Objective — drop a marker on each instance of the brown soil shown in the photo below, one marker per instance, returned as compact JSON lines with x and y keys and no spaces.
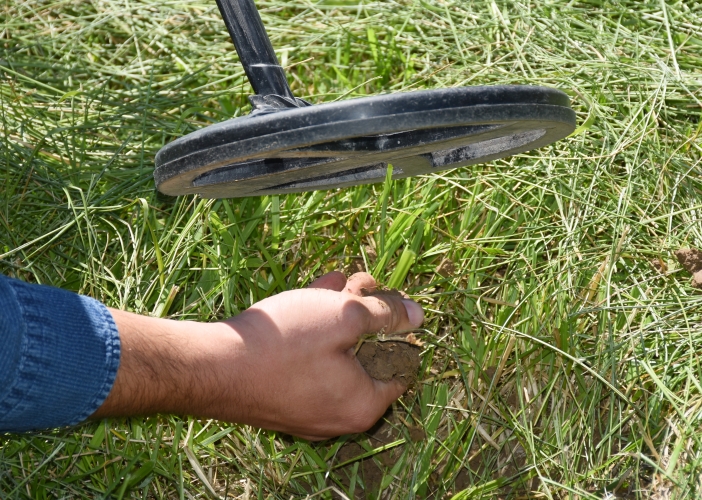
{"x":356,"y":266}
{"x":390,"y":360}
{"x":446,"y":268}
{"x":691,"y":260}
{"x":659,"y":265}
{"x":372,"y":469}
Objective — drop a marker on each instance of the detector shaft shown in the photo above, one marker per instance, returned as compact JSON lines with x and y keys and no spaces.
{"x":254,"y":47}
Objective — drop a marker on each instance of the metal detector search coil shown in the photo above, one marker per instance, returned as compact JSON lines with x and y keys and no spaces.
{"x":287,"y":145}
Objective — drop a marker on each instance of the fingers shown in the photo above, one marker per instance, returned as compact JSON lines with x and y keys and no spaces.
{"x":383,"y":395}
{"x":334,"y":280}
{"x":371,"y":405}
{"x":386,"y":394}
{"x":358,"y":281}
{"x":337,"y":281}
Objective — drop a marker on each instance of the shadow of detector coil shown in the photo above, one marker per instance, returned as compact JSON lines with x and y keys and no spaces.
{"x":287,"y":145}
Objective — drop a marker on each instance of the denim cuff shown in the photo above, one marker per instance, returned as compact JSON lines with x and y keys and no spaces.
{"x":59,"y":355}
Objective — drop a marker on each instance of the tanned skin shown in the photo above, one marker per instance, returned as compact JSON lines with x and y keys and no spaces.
{"x":285,"y":364}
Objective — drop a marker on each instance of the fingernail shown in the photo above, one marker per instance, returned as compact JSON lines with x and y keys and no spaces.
{"x":415,"y":313}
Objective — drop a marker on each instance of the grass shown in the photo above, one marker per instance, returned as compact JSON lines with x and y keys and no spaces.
{"x":562,"y":337}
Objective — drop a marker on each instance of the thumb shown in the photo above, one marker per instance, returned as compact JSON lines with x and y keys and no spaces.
{"x":392,"y":314}
{"x":378,"y":314}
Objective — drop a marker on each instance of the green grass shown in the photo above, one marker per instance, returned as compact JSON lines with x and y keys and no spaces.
{"x":559,"y":362}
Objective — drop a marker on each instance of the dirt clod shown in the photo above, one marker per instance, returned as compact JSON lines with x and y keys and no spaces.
{"x":659,"y":265}
{"x":446,"y":268}
{"x":691,"y":260}
{"x":417,"y":433}
{"x":390,"y":360}
{"x":356,"y":266}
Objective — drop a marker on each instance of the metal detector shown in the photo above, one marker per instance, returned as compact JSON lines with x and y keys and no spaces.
{"x":287,"y":145}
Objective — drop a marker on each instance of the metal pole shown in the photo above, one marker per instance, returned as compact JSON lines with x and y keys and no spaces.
{"x":254,"y":47}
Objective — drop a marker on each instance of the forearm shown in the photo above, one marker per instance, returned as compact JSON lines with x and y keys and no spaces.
{"x":171,"y":366}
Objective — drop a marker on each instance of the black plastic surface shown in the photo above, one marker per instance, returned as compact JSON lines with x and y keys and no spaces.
{"x":351,"y":142}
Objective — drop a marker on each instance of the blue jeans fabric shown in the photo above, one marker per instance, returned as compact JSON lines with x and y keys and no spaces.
{"x":59,"y":354}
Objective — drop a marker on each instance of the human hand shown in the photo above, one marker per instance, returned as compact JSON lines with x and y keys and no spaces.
{"x":298,"y":361}
{"x":287,"y":363}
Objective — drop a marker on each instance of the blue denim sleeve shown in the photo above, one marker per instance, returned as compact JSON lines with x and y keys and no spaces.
{"x":59,"y":354}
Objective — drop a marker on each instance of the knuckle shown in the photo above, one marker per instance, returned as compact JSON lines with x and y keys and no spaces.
{"x":384,"y":314}
{"x":355,"y":312}
{"x":363,"y":277}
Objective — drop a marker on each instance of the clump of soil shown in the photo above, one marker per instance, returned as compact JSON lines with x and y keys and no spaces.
{"x":691,"y":260}
{"x":390,"y":360}
{"x":446,"y":268}
{"x":356,"y":266}
{"x":396,"y":357}
{"x":384,"y":357}
{"x":659,"y":265}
